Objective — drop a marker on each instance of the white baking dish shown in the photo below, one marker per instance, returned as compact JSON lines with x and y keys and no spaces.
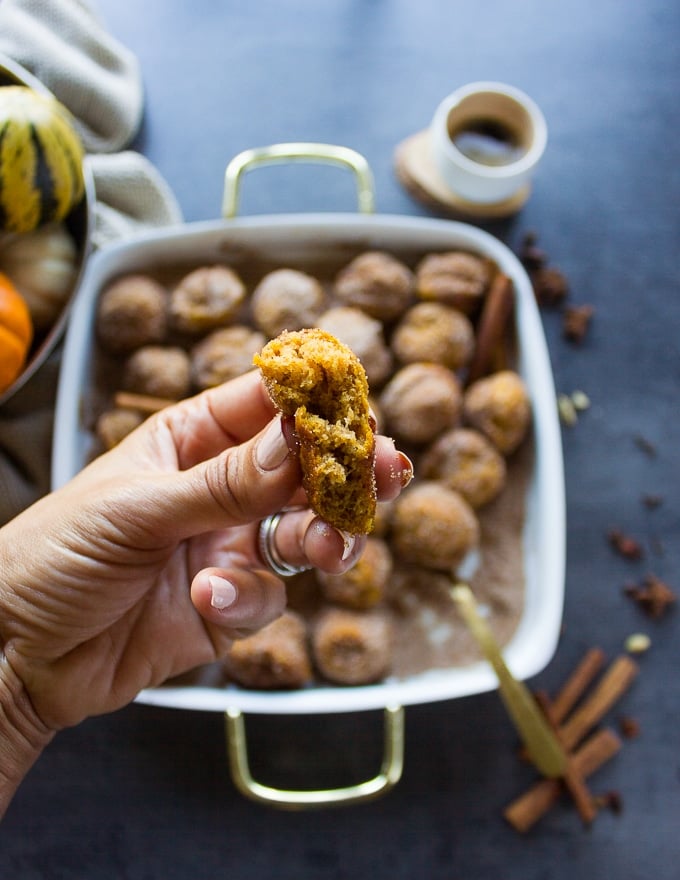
{"x":285,"y":239}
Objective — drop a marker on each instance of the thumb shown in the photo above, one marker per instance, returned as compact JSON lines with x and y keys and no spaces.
{"x":242,"y":484}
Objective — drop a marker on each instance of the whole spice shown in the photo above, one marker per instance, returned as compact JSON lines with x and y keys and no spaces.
{"x":638,"y":643}
{"x":610,"y":800}
{"x":580,"y":400}
{"x":493,"y":323}
{"x":652,"y":595}
{"x":576,"y":322}
{"x":584,"y":755}
{"x":530,"y":254}
{"x":566,"y":409}
{"x":527,"y":809}
{"x":625,"y":545}
{"x":609,"y":689}
{"x":629,"y":727}
{"x":550,"y":284}
{"x":573,"y":689}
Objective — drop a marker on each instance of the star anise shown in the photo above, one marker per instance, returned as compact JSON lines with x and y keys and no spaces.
{"x":652,"y":595}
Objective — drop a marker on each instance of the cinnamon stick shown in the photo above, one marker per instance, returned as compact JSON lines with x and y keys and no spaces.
{"x":142,"y":402}
{"x":611,"y":687}
{"x":577,"y":683}
{"x":493,"y":321}
{"x":572,"y":778}
{"x":527,"y":809}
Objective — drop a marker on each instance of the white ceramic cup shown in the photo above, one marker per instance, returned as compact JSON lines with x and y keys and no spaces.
{"x":498,"y":107}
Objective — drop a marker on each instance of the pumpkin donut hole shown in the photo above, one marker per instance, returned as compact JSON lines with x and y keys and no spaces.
{"x":159,"y":371}
{"x":365,"y":585}
{"x":115,"y":424}
{"x":377,"y":283}
{"x":276,"y":657}
{"x":352,"y":647}
{"x":431,"y":331}
{"x":433,"y":527}
{"x":455,"y":278}
{"x":499,"y":407}
{"x":132,"y":312}
{"x":224,"y":354}
{"x":464,"y":460}
{"x":205,"y":299}
{"x":364,"y":335}
{"x":420,"y":401}
{"x":287,"y":299}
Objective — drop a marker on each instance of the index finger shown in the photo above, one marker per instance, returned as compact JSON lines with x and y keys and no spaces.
{"x":216,"y":419}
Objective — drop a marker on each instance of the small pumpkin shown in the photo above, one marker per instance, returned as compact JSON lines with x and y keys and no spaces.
{"x":16,"y":333}
{"x":41,"y":160}
{"x":43,"y":266}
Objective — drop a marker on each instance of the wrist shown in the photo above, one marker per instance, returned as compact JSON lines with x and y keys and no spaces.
{"x":23,"y":735}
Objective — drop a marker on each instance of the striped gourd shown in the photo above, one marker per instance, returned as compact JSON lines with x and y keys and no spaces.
{"x":41,"y":160}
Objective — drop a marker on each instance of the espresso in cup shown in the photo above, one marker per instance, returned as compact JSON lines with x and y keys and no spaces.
{"x":486,"y":139}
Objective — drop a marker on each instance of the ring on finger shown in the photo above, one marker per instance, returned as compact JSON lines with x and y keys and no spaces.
{"x":269,"y":552}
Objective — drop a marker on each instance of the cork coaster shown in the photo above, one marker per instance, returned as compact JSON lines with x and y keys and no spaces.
{"x":417,"y":174}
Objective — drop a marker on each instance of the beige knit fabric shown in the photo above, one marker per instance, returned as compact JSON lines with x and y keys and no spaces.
{"x":63,"y":44}
{"x":66,"y":46}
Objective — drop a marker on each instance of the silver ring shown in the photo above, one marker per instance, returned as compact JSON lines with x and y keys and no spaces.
{"x":270,"y":555}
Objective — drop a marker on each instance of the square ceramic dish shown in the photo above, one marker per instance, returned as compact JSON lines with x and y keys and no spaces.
{"x":307,"y":240}
{"x":289,"y":239}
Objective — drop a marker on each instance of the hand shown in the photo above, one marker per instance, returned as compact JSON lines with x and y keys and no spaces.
{"x":146,"y":564}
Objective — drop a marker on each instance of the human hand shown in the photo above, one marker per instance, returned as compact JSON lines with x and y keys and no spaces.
{"x":146,"y":564}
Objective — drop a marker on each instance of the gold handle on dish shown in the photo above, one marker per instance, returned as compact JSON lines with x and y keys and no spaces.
{"x":387,"y":778}
{"x":298,"y":152}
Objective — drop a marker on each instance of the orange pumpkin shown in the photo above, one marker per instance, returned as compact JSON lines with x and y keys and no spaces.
{"x":16,"y":333}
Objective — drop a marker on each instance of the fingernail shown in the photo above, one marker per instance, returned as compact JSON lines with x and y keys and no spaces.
{"x":406,"y":474}
{"x":223,"y":592}
{"x":272,"y":450}
{"x":348,"y":543}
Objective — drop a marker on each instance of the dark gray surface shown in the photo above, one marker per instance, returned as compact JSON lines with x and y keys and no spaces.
{"x":146,"y":793}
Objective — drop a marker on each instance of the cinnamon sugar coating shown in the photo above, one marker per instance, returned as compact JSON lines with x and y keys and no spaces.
{"x":464,"y":460}
{"x":456,"y":278}
{"x":498,"y":406}
{"x":433,"y":526}
{"x":420,"y":401}
{"x":158,"y":370}
{"x":275,"y":657}
{"x":132,"y":311}
{"x":224,"y":354}
{"x":364,"y":335}
{"x":365,"y":584}
{"x":434,"y":332}
{"x":206,"y":298}
{"x":287,"y":299}
{"x":115,"y":424}
{"x":377,"y":283}
{"x":352,"y":647}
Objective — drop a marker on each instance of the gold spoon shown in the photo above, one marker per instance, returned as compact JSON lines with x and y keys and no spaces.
{"x":542,"y":745}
